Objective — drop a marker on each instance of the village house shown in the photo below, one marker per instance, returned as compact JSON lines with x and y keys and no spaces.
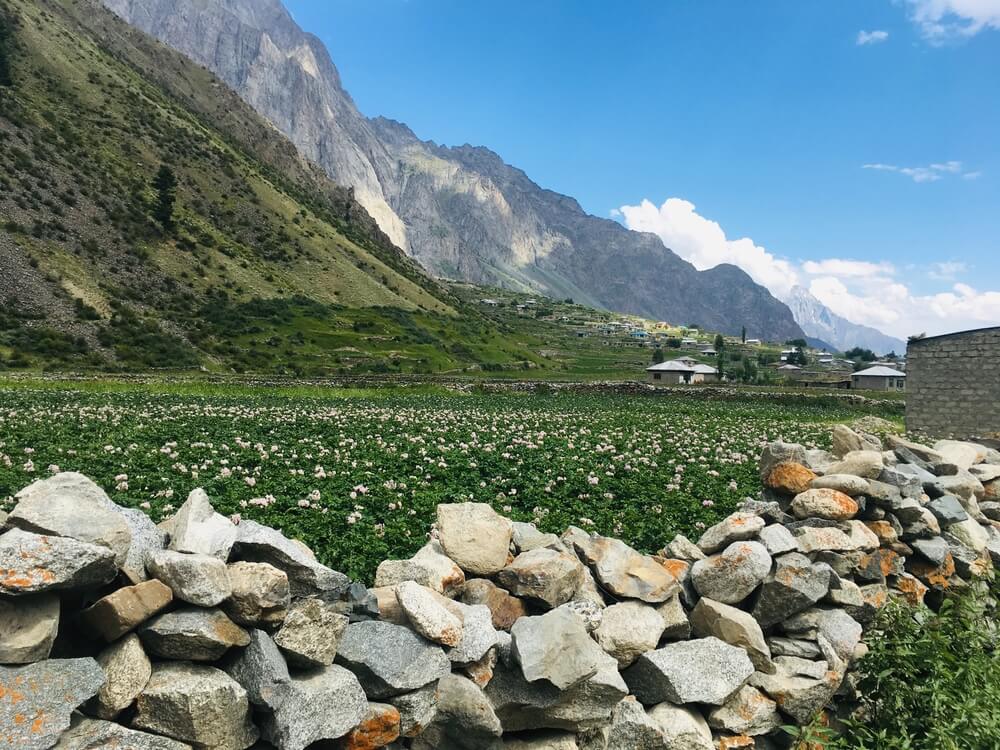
{"x":682,"y":371}
{"x":752,"y":342}
{"x":879,"y":378}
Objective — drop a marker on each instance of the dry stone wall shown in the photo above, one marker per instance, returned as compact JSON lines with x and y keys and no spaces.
{"x":214,"y":633}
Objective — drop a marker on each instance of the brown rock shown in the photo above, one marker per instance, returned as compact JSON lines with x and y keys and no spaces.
{"x":388,"y":605}
{"x":737,"y":742}
{"x":824,"y":503}
{"x":377,"y":729}
{"x":931,"y":575}
{"x":790,"y":478}
{"x":884,"y":530}
{"x":118,"y":613}
{"x":911,"y":589}
{"x":506,"y":609}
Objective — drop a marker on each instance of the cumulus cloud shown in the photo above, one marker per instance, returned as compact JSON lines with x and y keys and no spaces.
{"x":930,"y":173}
{"x":941,"y":20}
{"x":868,"y":292}
{"x":871,"y":37}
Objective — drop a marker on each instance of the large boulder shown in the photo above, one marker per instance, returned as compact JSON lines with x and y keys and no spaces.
{"x":475,"y":536}
{"x":192,"y":633}
{"x":732,"y":575}
{"x":789,"y":478}
{"x":71,"y":505}
{"x":864,"y":463}
{"x":824,"y":503}
{"x":306,"y":577}
{"x":626,"y":573}
{"x":667,"y":674}
{"x":37,"y":700}
{"x":198,"y":529}
{"x":794,"y":585}
{"x":737,"y":527}
{"x":197,"y":579}
{"x":390,"y":659}
{"x":127,"y":669}
{"x":310,"y":633}
{"x":555,"y":647}
{"x":260,"y":595}
{"x":197,"y":704}
{"x":31,"y":563}
{"x":120,"y":611}
{"x":735,"y":627}
{"x":28,"y":628}
{"x":629,"y":629}
{"x":543,"y":575}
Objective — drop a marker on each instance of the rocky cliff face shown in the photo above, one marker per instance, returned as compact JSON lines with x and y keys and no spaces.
{"x":819,"y":321}
{"x":462,"y":212}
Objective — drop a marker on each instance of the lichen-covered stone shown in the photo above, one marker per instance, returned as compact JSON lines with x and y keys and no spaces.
{"x":543,"y":575}
{"x":733,"y":574}
{"x":310,"y":633}
{"x":260,"y":595}
{"x":192,"y":633}
{"x":32,"y":563}
{"x":626,"y":573}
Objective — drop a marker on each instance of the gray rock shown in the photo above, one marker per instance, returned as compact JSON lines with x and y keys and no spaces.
{"x":823,"y":539}
{"x":146,"y":539}
{"x":947,"y":509}
{"x":417,"y":709}
{"x":527,"y":537}
{"x":733,"y":626}
{"x":591,"y":614}
{"x":799,"y":648}
{"x":778,"y":540}
{"x":962,"y":454}
{"x":192,"y":633}
{"x":778,"y":452}
{"x":545,"y":741}
{"x":543,"y":575}
{"x":732,"y":575}
{"x":633,"y":729}
{"x":624,"y":572}
{"x":474,"y":536}
{"x":845,"y":440}
{"x":737,"y":527}
{"x":934,"y":549}
{"x":683,"y":728}
{"x":629,"y":629}
{"x":478,"y":635}
{"x":126,"y":670}
{"x":847,"y":483}
{"x":962,"y":485}
{"x":971,"y":534}
{"x":907,"y":479}
{"x":863,"y":463}
{"x":990,"y":509}
{"x":555,"y":647}
{"x":464,"y":715}
{"x":47,"y":694}
{"x":797,"y":695}
{"x":197,"y":704}
{"x":91,"y":734}
{"x":260,"y":595}
{"x":260,"y":670}
{"x":306,"y":577}
{"x":321,"y":704}
{"x":311,"y":632}
{"x":71,"y":505}
{"x":985,"y":472}
{"x":198,"y":529}
{"x":28,"y":628}
{"x":794,"y":585}
{"x":430,"y":567}
{"x":667,"y":675}
{"x":201,"y":580}
{"x":521,"y":705}
{"x":432,"y":615}
{"x":34,"y":563}
{"x":683,"y":548}
{"x":748,"y":712}
{"x":839,"y":628}
{"x":675,"y":620}
{"x":389,"y":659}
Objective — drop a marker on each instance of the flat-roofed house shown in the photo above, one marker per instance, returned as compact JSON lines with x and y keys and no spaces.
{"x":879,"y":378}
{"x":671,"y":373}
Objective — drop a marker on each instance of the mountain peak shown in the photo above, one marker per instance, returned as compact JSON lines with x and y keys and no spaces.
{"x":819,"y":321}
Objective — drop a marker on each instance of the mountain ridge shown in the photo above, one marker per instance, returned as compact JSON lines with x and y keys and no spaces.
{"x":819,"y":321}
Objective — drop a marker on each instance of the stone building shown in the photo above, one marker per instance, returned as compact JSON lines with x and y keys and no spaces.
{"x":879,"y":378}
{"x":953,"y":388}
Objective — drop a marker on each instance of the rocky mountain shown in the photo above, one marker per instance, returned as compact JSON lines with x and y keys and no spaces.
{"x":461,"y":212}
{"x":818,"y":321}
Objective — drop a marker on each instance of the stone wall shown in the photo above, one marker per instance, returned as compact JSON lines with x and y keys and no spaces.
{"x":953,"y":385}
{"x":213,"y":633}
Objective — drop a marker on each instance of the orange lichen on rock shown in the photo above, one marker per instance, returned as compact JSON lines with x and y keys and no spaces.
{"x":378,"y":729}
{"x":790,"y":477}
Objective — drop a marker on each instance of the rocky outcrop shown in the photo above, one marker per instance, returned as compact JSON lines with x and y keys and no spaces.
{"x":714,"y":644}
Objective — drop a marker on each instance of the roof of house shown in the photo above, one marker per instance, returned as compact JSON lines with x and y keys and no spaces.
{"x":881,"y":372}
{"x":672,"y":365}
{"x":705,"y":370}
{"x":789,"y":367}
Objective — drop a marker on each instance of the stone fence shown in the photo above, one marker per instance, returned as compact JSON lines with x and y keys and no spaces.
{"x":208,"y":634}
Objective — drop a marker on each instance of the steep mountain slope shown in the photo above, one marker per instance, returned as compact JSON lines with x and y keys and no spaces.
{"x":462,"y":212}
{"x":266,"y":264}
{"x":818,"y":320}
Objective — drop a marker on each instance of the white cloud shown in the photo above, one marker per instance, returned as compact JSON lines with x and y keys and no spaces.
{"x":930,"y":173}
{"x":874,"y":293}
{"x":941,"y":20}
{"x":972,"y":175}
{"x":871,"y":37}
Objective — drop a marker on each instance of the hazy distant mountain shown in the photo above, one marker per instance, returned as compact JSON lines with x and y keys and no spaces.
{"x":461,"y":212}
{"x":819,"y":321}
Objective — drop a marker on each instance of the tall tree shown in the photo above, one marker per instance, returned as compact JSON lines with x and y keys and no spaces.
{"x":657,"y":355}
{"x":6,"y":47}
{"x":165,"y":184}
{"x":743,"y":334}
{"x":720,"y":343}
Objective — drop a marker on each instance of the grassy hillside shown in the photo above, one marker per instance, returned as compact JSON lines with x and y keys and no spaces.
{"x":263,"y":264}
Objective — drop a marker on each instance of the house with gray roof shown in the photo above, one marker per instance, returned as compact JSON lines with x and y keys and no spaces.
{"x":879,"y":378}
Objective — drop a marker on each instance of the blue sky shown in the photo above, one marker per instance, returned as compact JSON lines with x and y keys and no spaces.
{"x":756,"y":118}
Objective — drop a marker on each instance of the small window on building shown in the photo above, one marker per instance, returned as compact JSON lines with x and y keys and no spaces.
{"x":656,"y":376}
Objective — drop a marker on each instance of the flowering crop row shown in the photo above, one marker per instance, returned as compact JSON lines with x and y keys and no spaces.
{"x":358,"y":479}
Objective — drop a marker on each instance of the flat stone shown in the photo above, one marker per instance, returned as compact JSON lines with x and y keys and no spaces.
{"x":310,"y":633}
{"x":732,"y":575}
{"x":628,"y":630}
{"x":667,"y":675}
{"x":543,"y":575}
{"x":824,"y":503}
{"x":306,"y":577}
{"x":934,"y":549}
{"x":192,"y":633}
{"x":260,"y":669}
{"x":198,"y":529}
{"x":985,"y":472}
{"x":474,"y":536}
{"x":797,"y":647}
{"x":260,"y":595}
{"x":389,"y":659}
{"x":429,"y":567}
{"x":522,"y":706}
{"x":28,"y":628}
{"x":626,"y":573}
{"x":733,"y":626}
{"x":31,"y":563}
{"x":962,"y":485}
{"x":126,"y":670}
{"x":430,"y":614}
{"x":790,"y":478}
{"x":848,"y":484}
{"x":92,"y":734}
{"x":737,"y":527}
{"x":748,"y":712}
{"x":816,"y":539}
{"x":478,"y":635}
{"x":778,"y":540}
{"x":321,"y":704}
{"x":197,"y":704}
{"x":71,"y":505}
{"x":37,"y":700}
{"x":146,"y":539}
{"x":119,"y":612}
{"x":864,"y":463}
{"x":417,"y":709}
{"x":379,"y":727}
{"x":504,"y":608}
{"x":555,"y":647}
{"x":840,"y":629}
{"x":201,"y":580}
